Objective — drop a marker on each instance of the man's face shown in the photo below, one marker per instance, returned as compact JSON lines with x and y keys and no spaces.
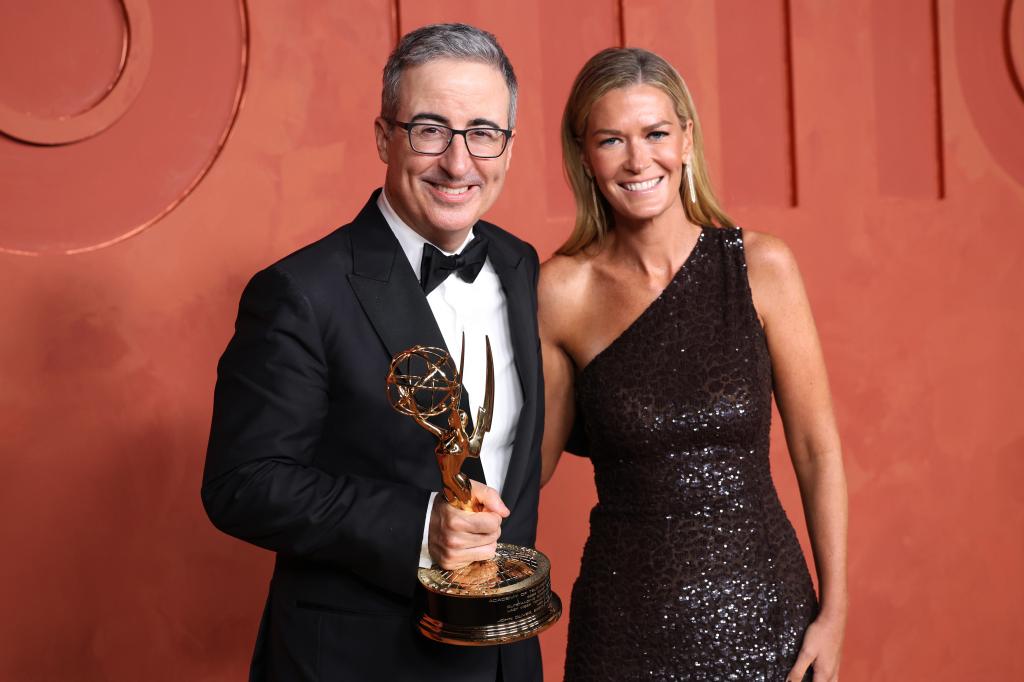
{"x":441,"y":197}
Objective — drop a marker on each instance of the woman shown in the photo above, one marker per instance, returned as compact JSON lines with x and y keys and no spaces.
{"x":664,"y":329}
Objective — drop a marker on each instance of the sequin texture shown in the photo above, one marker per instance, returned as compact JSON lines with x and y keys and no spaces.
{"x":692,"y":570}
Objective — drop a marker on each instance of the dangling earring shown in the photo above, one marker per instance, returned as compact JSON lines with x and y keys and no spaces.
{"x":689,"y":183}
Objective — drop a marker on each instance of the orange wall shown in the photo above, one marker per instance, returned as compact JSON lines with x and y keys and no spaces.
{"x":881,"y":140}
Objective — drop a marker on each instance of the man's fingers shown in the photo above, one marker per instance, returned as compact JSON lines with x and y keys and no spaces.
{"x":454,"y":551}
{"x":454,"y":560}
{"x":481,"y":523}
{"x":455,"y":540}
{"x":459,"y":537}
{"x":489,"y":499}
{"x":482,"y":552}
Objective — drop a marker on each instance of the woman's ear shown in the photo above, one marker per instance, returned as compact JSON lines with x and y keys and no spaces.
{"x":688,"y":142}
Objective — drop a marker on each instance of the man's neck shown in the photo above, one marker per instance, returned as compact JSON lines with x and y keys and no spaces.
{"x":409,"y":239}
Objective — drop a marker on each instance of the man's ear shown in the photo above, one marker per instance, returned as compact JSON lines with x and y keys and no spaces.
{"x":508,"y":149}
{"x":382,"y":133}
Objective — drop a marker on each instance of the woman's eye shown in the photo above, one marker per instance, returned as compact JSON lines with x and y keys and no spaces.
{"x":657,"y":134}
{"x":607,"y":142}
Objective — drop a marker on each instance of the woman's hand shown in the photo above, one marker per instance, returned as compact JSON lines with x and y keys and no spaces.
{"x":822,"y":648}
{"x":805,"y":405}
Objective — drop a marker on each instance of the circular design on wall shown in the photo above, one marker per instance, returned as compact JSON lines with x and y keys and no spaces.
{"x":1015,"y":42}
{"x":95,"y":149}
{"x":136,"y":41}
{"x":986,"y":75}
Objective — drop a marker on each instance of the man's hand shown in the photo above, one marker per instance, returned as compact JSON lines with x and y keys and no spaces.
{"x":457,"y":538}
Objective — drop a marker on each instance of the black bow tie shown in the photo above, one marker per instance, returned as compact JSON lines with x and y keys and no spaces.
{"x":436,"y":266}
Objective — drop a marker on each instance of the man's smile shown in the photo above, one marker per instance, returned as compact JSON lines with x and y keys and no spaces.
{"x":452,"y":193}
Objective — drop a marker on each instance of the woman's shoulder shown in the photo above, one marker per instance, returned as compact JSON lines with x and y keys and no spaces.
{"x":564,"y":275}
{"x":772,"y":272}
{"x":562,"y":290}
{"x":767,"y":254}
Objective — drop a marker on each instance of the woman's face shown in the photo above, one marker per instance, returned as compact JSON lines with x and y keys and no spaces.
{"x":635,"y":147}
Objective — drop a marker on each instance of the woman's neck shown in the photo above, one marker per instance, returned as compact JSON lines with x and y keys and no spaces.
{"x":654,"y":246}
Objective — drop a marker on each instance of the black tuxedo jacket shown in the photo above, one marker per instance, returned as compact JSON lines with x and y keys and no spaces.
{"x":307,"y":458}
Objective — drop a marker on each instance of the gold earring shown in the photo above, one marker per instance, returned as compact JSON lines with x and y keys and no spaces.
{"x":689,"y":183}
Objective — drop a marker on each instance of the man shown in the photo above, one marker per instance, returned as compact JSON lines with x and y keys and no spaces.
{"x":307,"y":457}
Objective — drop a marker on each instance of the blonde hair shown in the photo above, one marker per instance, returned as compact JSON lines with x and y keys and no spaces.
{"x":610,"y":69}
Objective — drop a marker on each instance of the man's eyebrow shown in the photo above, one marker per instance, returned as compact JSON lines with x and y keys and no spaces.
{"x":486,"y":122}
{"x":444,"y":120}
{"x":429,"y":116}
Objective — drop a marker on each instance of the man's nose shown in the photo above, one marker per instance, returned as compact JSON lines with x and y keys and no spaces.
{"x":457,"y":160}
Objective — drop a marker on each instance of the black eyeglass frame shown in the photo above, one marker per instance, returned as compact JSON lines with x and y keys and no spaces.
{"x":407,"y":125}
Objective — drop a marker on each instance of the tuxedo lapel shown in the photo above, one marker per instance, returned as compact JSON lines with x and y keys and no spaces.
{"x":515,"y":281}
{"x":392,"y":298}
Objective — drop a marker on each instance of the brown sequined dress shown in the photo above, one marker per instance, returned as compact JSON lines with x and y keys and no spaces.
{"x":692,"y":570}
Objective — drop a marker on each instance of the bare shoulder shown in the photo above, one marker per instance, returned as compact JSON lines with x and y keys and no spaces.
{"x":562,"y":277}
{"x":770,"y":261}
{"x":774,"y":277}
{"x":562,"y":287}
{"x":767,"y":252}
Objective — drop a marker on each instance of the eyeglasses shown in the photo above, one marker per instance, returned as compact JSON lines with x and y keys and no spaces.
{"x":433,"y":139}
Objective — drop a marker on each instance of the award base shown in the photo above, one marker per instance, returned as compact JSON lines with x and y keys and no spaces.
{"x":499,"y":601}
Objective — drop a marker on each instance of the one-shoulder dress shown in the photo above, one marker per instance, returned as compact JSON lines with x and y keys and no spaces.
{"x":692,"y":570}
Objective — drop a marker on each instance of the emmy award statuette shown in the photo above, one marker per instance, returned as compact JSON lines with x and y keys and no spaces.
{"x":498,"y":601}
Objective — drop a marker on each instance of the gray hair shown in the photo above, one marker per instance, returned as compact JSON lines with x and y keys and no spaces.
{"x":445,"y":41}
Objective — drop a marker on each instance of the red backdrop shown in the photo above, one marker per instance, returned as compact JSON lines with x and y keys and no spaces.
{"x":143,"y":180}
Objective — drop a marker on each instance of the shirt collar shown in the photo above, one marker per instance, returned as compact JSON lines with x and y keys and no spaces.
{"x":409,"y":239}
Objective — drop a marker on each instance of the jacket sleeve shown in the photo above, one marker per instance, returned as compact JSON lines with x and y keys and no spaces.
{"x":260,"y":483}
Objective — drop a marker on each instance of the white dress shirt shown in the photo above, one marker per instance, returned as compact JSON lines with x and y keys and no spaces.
{"x":477,"y":309}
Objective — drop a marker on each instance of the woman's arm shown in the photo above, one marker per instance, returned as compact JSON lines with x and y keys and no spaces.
{"x":559,"y":370}
{"x":802,"y":395}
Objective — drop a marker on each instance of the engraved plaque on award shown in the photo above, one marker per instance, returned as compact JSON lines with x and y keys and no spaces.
{"x":498,"y":601}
